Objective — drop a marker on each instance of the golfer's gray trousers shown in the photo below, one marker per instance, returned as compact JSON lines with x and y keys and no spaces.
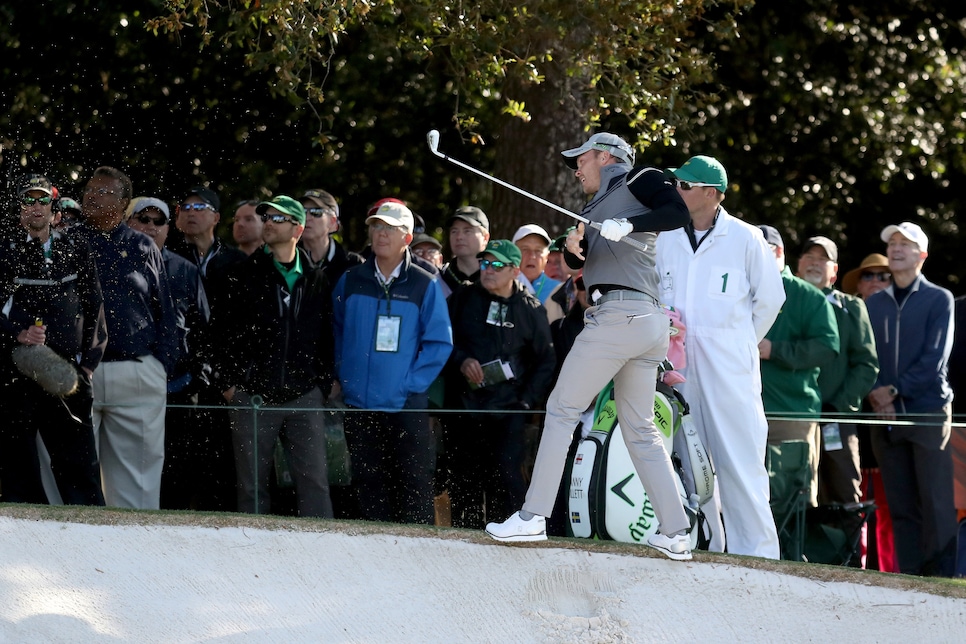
{"x":624,"y":341}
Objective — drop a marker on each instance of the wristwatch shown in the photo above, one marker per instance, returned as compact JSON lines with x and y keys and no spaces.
{"x":893,"y":391}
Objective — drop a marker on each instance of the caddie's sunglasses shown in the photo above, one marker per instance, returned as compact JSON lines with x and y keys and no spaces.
{"x":278,"y":219}
{"x":29,"y":201}
{"x":876,"y":277}
{"x":147,"y":219}
{"x":687,"y":185}
{"x":196,"y":206}
{"x":494,"y":264}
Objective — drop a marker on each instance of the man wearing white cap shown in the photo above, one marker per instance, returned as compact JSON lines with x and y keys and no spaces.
{"x":913,"y":324}
{"x":534,"y":244}
{"x":624,"y":339}
{"x":392,"y":338}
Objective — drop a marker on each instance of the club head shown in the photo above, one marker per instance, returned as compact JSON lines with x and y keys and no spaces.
{"x":432,"y":138}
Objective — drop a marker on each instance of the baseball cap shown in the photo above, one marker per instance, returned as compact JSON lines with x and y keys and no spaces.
{"x":285,"y":205}
{"x":604,"y":141}
{"x":702,"y":169}
{"x":772,"y":236}
{"x":374,"y":207}
{"x":394,"y":213}
{"x":35,"y":182}
{"x":531,"y":229}
{"x":66,"y":204}
{"x":850,"y":283}
{"x":504,"y":250}
{"x":207,"y":195}
{"x":143,"y":203}
{"x":423,"y":238}
{"x":826,"y":244}
{"x":910,"y":231}
{"x":471,"y":215}
{"x":322,"y":199}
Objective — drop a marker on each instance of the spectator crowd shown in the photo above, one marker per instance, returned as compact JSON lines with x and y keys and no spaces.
{"x":149,"y":364}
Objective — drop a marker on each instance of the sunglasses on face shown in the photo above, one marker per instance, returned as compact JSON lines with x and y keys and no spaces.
{"x":147,"y":219}
{"x":196,"y":206}
{"x":319,"y":212}
{"x":687,"y":185}
{"x":278,"y":219}
{"x":494,"y":264}
{"x":876,"y":277}
{"x":29,"y":201}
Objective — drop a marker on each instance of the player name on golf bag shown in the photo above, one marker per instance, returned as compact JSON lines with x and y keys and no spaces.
{"x":607,"y":499}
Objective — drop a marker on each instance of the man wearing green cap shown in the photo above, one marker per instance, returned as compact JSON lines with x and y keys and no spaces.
{"x":719,"y":274}
{"x":274,"y":341}
{"x":502,"y":360}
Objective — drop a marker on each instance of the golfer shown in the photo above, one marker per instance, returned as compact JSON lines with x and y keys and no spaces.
{"x":625,"y":338}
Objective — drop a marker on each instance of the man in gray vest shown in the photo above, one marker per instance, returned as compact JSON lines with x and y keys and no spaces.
{"x":625,"y":337}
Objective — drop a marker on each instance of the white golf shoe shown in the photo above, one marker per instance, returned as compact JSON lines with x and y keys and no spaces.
{"x":516,"y":529}
{"x":677,"y":548}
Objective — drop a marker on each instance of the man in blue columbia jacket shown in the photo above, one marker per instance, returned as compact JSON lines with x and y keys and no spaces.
{"x":913,"y":324}
{"x":392,"y":338}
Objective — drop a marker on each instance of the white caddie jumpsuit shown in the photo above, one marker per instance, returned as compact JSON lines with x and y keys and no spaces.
{"x":729,"y":294}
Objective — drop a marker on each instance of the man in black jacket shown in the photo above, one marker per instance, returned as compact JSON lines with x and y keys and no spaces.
{"x":57,"y":302}
{"x":502,"y":351}
{"x":274,"y":342}
{"x":321,"y":222}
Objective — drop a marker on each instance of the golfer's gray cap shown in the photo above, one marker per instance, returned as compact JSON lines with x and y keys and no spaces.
{"x":605,"y":142}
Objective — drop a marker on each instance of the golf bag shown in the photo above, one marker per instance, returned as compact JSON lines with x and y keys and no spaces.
{"x":607,"y":499}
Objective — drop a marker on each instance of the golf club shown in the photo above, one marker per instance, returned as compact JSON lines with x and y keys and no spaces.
{"x":432,"y":138}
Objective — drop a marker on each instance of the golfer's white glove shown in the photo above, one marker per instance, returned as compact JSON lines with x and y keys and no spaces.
{"x":615,"y":229}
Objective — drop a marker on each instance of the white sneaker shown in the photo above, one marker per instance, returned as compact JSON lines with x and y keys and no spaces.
{"x":677,"y":548}
{"x":516,"y":529}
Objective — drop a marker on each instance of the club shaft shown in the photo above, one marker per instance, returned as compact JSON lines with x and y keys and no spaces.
{"x":593,"y":224}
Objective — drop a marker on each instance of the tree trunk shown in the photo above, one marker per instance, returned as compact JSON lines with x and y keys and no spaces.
{"x":528,"y":156}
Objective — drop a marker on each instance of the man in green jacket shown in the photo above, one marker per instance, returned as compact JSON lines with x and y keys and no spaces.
{"x":802,"y":339}
{"x":846,"y":380}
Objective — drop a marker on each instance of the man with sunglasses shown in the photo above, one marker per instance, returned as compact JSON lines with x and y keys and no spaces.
{"x":199,"y":468}
{"x":130,"y":383}
{"x":56,"y":302}
{"x":273,"y":338}
{"x":197,"y":218}
{"x":392,"y":338}
{"x":624,"y":340}
{"x":321,"y":222}
{"x":869,"y":278}
{"x":719,"y":274}
{"x":502,"y":361}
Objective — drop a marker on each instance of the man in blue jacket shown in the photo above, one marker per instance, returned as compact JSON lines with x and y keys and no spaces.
{"x":392,"y":338}
{"x":913,"y":324}
{"x":130,"y":384}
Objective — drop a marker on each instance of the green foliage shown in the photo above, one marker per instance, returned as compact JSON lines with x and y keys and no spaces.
{"x":841,"y":118}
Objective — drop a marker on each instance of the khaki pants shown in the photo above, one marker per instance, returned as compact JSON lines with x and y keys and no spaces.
{"x":623,"y":341}
{"x":800,"y":430}
{"x":129,"y":404}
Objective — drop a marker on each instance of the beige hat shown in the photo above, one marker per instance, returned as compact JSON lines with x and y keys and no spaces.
{"x":850,"y":283}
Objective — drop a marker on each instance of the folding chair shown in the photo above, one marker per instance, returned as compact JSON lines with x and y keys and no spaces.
{"x":835,"y":532}
{"x":789,"y":477}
